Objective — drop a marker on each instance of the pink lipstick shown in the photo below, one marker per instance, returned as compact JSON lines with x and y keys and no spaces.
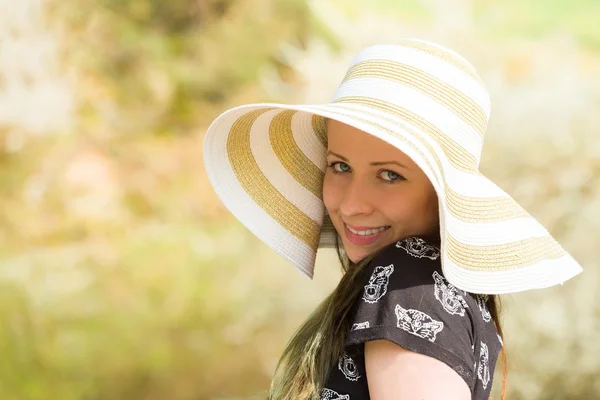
{"x":363,"y":240}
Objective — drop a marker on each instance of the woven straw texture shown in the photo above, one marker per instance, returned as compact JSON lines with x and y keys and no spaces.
{"x":267,"y":163}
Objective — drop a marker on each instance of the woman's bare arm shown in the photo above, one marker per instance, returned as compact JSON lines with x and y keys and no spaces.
{"x":394,"y":373}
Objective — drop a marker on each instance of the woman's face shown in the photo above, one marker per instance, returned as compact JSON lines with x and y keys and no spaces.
{"x":374,"y":193}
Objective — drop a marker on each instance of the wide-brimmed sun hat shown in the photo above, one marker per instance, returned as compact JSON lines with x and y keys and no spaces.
{"x":266,"y":163}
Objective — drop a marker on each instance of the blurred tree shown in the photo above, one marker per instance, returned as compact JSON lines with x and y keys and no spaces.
{"x":75,"y":326}
{"x":168,"y":66}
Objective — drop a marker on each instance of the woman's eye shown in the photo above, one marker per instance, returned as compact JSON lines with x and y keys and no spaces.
{"x":341,"y":167}
{"x":390,"y":175}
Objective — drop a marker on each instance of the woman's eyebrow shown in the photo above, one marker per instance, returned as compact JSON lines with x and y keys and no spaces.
{"x":375,"y":163}
{"x":390,"y":162}
{"x":337,"y":155}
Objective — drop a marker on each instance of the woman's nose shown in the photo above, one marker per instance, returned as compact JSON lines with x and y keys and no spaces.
{"x":356,"y":199}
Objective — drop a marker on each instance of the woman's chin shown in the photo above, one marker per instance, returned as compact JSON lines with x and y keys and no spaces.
{"x":356,"y":258}
{"x":356,"y":255}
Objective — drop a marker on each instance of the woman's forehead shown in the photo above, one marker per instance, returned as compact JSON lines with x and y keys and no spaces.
{"x":354,"y":143}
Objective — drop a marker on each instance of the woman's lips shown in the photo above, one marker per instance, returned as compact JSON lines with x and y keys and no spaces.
{"x":360,"y":240}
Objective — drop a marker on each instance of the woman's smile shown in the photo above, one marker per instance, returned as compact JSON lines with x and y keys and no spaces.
{"x":362,"y":236}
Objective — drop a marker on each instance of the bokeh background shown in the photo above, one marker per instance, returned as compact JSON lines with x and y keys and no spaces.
{"x":121,"y":274}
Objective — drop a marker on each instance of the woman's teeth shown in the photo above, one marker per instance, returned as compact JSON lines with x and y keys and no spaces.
{"x":368,"y":231}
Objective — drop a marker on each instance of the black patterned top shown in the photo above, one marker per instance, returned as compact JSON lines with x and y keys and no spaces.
{"x":407,"y":301}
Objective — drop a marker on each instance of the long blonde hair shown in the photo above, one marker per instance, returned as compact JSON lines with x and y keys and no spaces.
{"x":316,"y":346}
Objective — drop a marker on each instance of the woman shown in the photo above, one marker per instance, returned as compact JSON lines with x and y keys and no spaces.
{"x":387,"y":173}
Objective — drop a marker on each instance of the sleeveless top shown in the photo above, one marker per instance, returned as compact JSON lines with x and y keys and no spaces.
{"x":407,"y":300}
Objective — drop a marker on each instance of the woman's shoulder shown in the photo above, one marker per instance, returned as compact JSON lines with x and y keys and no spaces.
{"x":411,"y":248}
{"x":410,"y":257}
{"x":415,"y":262}
{"x":406,"y":300}
{"x":411,"y":269}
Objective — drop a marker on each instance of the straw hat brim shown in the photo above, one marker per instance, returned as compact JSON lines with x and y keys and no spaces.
{"x":266,"y":163}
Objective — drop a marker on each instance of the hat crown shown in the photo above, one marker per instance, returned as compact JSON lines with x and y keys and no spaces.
{"x":425,"y":85}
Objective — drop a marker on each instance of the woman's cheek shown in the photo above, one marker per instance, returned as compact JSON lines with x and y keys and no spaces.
{"x":328,"y":191}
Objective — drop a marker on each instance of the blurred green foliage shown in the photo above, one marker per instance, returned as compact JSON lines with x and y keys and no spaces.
{"x":128,"y":299}
{"x":536,"y":18}
{"x":168,"y":66}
